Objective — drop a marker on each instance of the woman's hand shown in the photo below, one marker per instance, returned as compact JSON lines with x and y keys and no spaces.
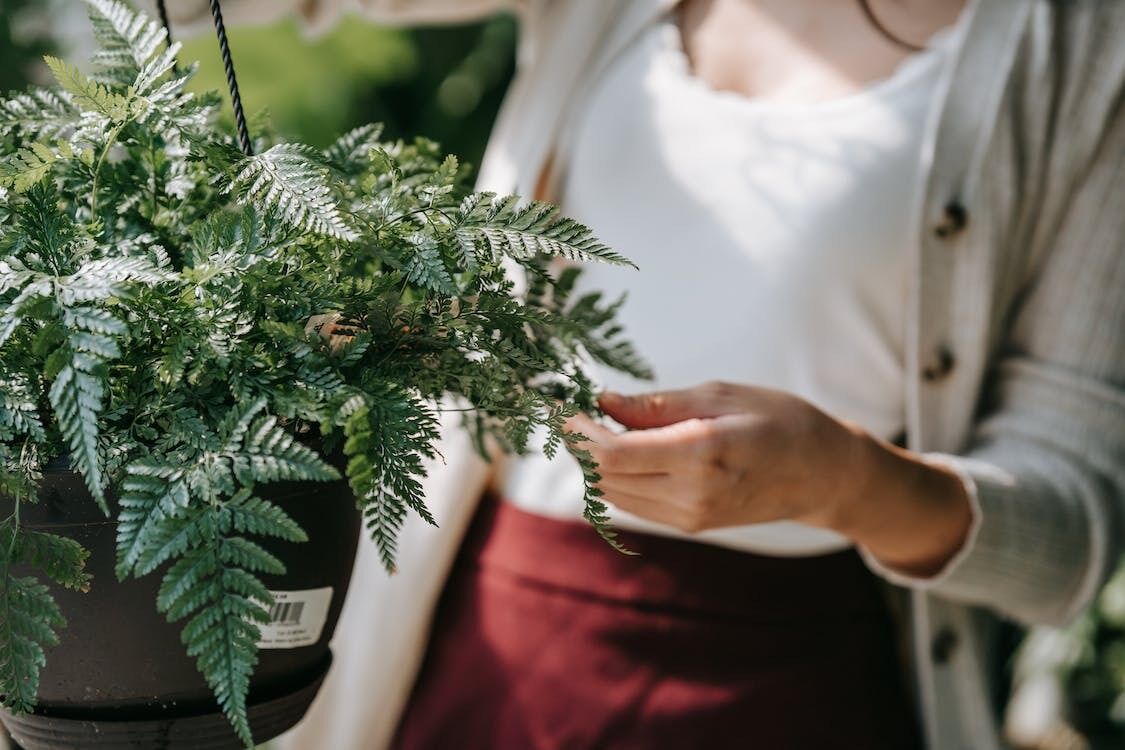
{"x":721,"y":455}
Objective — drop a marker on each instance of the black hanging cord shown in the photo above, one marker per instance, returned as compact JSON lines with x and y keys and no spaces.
{"x":874,"y":21}
{"x":228,"y":65}
{"x":232,"y":81}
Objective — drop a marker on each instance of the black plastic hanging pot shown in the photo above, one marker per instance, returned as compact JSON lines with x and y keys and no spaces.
{"x":120,"y":679}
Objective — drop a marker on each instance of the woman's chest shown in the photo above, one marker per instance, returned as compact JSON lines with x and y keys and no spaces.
{"x":788,"y":200}
{"x":805,"y":50}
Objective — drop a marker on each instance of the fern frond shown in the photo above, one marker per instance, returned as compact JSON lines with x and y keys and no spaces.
{"x":61,"y":559}
{"x":93,"y":320}
{"x":29,"y":616}
{"x":39,"y":114}
{"x":426,"y":266}
{"x":383,"y":516}
{"x":270,"y":454}
{"x":243,"y":554}
{"x":13,"y":314}
{"x":77,"y":395}
{"x":350,"y":153}
{"x":213,"y":586}
{"x":287,"y":180}
{"x":253,"y":515}
{"x":593,"y":325}
{"x":152,"y":492}
{"x":101,"y":279}
{"x":177,"y":535}
{"x":127,"y":40}
{"x":387,"y":440}
{"x":88,"y":94}
{"x":505,"y":228}
{"x":153,"y":71}
{"x":27,"y":167}
{"x":19,"y":410}
{"x":595,"y":511}
{"x":29,"y":624}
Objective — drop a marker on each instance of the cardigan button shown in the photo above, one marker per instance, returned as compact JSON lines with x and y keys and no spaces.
{"x":940,"y":368}
{"x":943,"y":645}
{"x":953,"y":220}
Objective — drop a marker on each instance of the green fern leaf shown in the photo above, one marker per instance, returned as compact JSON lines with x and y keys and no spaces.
{"x":288,"y":181}
{"x":253,"y":515}
{"x":595,"y":511}
{"x":243,"y":554}
{"x":101,"y":279}
{"x":523,"y":233}
{"x":176,"y":535}
{"x":270,"y":454}
{"x":93,"y":320}
{"x":426,"y":267}
{"x":19,"y":410}
{"x":29,"y":624}
{"x":39,"y":114}
{"x":76,"y":397}
{"x":61,"y":559}
{"x":127,"y":40}
{"x":151,"y":493}
{"x":18,"y":308}
{"x":89,"y":95}
{"x":222,"y":600}
{"x":27,"y":167}
{"x":351,"y":153}
{"x":385,"y":463}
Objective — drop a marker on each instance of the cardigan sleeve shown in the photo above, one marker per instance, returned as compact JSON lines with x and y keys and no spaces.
{"x":1045,"y":468}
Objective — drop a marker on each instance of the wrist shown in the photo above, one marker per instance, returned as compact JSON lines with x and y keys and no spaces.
{"x":858,"y":479}
{"x":913,"y":516}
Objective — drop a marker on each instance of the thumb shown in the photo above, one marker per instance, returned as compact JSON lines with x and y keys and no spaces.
{"x":660,"y":408}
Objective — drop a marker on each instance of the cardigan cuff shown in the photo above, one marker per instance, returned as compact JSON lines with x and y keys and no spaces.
{"x":1034,"y":549}
{"x":959,"y":558}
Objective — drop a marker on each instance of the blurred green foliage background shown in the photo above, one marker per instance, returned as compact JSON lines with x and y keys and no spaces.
{"x":24,"y":39}
{"x":443,"y":83}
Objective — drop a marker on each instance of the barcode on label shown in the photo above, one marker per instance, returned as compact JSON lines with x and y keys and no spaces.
{"x":286,"y":613}
{"x":296,"y":618}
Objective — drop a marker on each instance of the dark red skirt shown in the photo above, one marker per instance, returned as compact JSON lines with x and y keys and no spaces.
{"x":547,"y":639}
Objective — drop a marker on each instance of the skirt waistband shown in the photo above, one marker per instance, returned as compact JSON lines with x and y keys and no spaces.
{"x":670,"y":574}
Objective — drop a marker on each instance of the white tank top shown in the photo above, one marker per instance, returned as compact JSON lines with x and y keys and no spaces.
{"x":772,"y":243}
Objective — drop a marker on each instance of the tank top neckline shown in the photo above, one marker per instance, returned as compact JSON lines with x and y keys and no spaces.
{"x":898,"y":81}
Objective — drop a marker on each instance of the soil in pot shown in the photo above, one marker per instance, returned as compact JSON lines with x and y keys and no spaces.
{"x":120,"y":679}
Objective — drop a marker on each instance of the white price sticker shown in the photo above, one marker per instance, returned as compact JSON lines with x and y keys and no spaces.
{"x":296,"y":618}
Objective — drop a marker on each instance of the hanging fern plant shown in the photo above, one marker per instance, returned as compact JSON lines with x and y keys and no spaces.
{"x":161,"y":303}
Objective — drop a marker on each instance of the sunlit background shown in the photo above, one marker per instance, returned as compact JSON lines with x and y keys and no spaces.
{"x":446,"y":84}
